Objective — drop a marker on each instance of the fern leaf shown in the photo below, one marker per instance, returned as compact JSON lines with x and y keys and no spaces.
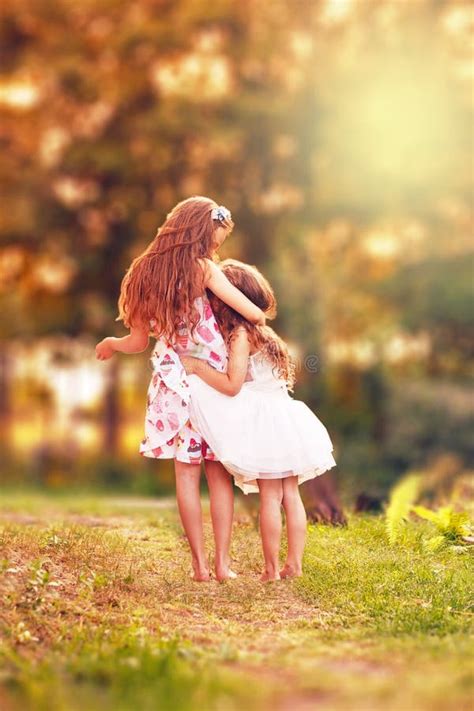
{"x":401,"y":500}
{"x":436,"y":543}
{"x":452,"y":525}
{"x":427,"y":514}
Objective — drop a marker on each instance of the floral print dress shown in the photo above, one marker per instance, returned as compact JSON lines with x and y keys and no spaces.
{"x":168,"y":431}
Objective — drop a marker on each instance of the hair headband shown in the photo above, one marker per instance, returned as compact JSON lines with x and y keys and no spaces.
{"x":221,"y":213}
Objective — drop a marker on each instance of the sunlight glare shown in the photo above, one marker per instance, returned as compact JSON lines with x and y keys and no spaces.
{"x":19,"y":94}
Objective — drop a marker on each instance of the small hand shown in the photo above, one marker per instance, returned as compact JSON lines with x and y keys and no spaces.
{"x":262,"y":320}
{"x":104,"y":350}
{"x":189,"y":364}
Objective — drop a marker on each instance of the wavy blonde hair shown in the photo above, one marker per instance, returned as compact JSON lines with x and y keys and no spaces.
{"x":256,"y":288}
{"x":161,"y":284}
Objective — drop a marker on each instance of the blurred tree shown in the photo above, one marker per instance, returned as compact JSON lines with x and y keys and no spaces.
{"x":337,"y":135}
{"x":439,"y":292}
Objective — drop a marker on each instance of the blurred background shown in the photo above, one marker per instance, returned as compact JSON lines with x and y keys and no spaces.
{"x":339,"y":134}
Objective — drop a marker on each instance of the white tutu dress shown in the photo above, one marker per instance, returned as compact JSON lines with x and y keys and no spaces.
{"x":260,"y":433}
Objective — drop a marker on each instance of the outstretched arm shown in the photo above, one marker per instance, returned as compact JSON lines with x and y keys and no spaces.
{"x":229,"y":383}
{"x":135,"y":342}
{"x":218,"y":283}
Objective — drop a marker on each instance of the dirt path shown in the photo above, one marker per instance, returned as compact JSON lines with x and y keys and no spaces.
{"x":143,"y":563}
{"x":158,"y":554}
{"x":118,"y":563}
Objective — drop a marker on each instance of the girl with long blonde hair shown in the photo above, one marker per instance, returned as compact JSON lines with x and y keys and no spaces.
{"x":164,"y":295}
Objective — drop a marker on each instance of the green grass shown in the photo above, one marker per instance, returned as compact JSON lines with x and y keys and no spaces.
{"x":118,"y":667}
{"x":99,"y":612}
{"x":374,"y":588}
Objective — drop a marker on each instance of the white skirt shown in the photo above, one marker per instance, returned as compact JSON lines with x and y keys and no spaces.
{"x":260,"y":434}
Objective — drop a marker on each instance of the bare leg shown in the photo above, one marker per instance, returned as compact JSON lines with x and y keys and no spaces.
{"x":295,"y":526}
{"x":221,"y":495}
{"x":271,"y":494}
{"x":189,"y":506}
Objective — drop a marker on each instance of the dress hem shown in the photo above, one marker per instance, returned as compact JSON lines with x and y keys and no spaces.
{"x":248,"y":482}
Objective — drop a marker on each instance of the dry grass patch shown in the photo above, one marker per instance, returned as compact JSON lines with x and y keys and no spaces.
{"x":103,"y":598}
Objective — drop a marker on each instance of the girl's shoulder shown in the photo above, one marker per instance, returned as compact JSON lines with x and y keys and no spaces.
{"x":207,"y":266}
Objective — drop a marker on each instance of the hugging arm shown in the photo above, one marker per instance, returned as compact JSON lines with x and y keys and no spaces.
{"x":218,"y":283}
{"x":135,"y":342}
{"x":228,"y":383}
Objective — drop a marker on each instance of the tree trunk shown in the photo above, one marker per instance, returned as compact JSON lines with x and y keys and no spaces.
{"x":5,"y":396}
{"x":322,"y":501}
{"x":112,"y":409}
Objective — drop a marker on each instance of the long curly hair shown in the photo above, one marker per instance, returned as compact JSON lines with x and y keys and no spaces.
{"x":159,"y":287}
{"x":256,"y":288}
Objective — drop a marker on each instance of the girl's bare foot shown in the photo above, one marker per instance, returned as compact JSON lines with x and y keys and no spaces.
{"x":201,"y":576}
{"x":225,"y":574}
{"x":290,"y":571}
{"x":223,"y":569}
{"x":201,"y":572}
{"x":269,"y":576}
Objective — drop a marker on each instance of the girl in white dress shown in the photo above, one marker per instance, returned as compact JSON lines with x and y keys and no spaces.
{"x":270,"y":442}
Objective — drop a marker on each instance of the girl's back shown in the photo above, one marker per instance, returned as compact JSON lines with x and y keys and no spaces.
{"x":261,"y":375}
{"x":205,"y":343}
